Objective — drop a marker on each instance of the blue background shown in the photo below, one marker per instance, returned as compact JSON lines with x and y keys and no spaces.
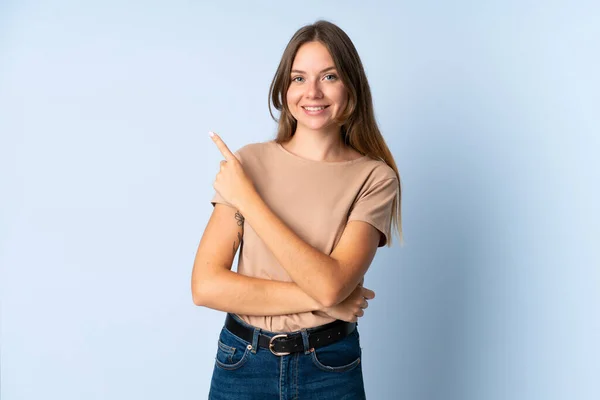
{"x":491,"y":111}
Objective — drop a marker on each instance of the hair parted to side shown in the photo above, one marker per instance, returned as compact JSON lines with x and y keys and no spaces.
{"x":358,"y":126}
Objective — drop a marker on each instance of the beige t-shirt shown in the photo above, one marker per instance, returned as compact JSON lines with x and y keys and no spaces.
{"x":315,"y":199}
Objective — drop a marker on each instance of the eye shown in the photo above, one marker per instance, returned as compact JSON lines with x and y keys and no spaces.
{"x":295,"y":79}
{"x":333,"y":77}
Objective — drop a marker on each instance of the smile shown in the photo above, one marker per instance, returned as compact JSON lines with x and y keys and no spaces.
{"x":314,"y":110}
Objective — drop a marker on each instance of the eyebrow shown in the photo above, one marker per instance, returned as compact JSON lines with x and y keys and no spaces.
{"x":303,"y":72}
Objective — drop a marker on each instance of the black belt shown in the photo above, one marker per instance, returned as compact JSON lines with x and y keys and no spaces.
{"x":286,"y":343}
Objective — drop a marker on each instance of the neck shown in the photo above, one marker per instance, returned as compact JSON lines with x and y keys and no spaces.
{"x":318,"y":146}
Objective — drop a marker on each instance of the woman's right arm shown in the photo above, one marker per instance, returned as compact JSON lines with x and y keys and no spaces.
{"x":215,"y":286}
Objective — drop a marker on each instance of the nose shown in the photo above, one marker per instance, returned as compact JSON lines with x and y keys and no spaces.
{"x":313,"y":90}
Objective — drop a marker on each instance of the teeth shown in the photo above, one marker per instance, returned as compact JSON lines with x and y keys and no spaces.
{"x":314,"y":108}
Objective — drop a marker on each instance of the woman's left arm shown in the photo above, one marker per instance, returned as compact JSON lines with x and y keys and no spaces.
{"x":329,"y":279}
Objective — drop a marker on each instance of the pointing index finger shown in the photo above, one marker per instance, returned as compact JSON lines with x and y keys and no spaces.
{"x":229,"y":156}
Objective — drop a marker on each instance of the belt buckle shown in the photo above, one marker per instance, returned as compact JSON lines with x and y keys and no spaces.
{"x":271,"y":346}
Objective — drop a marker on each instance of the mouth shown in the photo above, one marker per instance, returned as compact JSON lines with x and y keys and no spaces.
{"x":314,"y":109}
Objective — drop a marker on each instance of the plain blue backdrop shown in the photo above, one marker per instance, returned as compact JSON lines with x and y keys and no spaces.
{"x":491,"y":111}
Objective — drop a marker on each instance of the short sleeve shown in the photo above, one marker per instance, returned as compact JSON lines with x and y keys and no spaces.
{"x":217,"y":198}
{"x":374,"y":206}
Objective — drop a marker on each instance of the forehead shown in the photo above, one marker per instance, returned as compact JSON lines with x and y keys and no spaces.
{"x":312,"y":56}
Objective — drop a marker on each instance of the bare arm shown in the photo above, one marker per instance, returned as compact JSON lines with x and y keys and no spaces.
{"x":215,"y":286}
{"x":239,"y":294}
{"x":330,"y":279}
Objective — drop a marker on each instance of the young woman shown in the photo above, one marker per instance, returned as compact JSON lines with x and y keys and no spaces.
{"x":308,"y":211}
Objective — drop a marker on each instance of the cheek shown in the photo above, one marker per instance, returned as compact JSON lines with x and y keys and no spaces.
{"x":343,"y":102}
{"x":292,"y":97}
{"x":341,"y":97}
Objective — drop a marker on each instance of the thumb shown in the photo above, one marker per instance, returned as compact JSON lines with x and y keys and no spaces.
{"x":368,"y":294}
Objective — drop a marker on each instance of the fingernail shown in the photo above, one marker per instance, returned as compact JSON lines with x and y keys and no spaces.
{"x":211,"y":134}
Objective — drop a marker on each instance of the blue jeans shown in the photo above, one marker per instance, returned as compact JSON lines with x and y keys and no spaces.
{"x":244,"y":371}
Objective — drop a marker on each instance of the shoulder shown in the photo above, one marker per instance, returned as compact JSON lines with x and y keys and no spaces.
{"x":254,"y":151}
{"x":378,"y":171}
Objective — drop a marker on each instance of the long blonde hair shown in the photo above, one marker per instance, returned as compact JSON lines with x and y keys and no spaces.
{"x":359,"y":129}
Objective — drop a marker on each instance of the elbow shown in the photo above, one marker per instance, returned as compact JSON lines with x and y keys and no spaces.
{"x":329,"y":302}
{"x":199,"y":292}
{"x":330,"y":299}
{"x":205,"y":288}
{"x":336,"y":293}
{"x":196,"y":297}
{"x":331,"y":293}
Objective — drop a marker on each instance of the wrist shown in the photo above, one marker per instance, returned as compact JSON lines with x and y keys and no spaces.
{"x":322,"y":308}
{"x":251,"y":201}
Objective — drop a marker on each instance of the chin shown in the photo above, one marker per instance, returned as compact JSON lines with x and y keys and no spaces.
{"x":317,"y":127}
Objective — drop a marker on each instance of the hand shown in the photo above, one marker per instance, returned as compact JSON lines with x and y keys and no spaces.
{"x":352,"y":307}
{"x":231,"y":182}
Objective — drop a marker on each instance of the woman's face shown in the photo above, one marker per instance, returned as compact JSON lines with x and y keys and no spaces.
{"x":316,"y":94}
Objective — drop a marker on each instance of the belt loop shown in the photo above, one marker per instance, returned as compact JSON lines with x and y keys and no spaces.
{"x":305,"y":340}
{"x":255,"y":340}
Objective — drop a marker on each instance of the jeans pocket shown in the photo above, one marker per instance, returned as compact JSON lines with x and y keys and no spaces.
{"x":232,"y":352}
{"x":340,"y":356}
